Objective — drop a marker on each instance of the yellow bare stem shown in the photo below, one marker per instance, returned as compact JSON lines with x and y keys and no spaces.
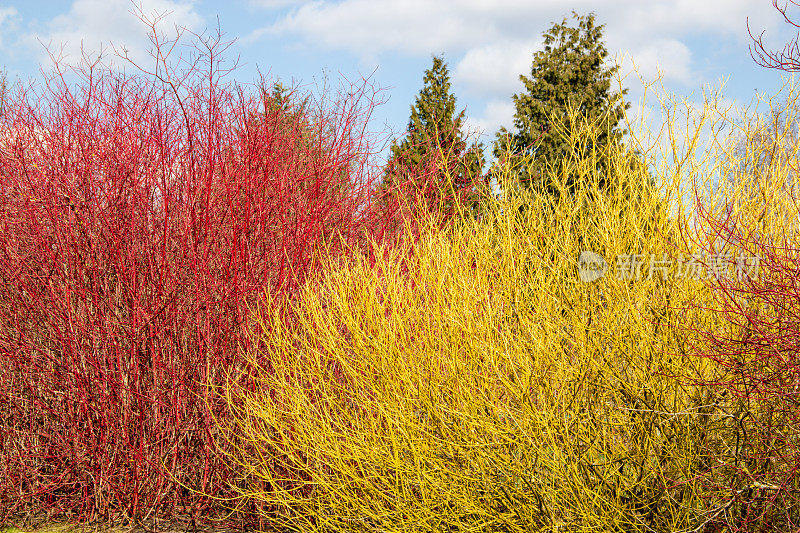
{"x":479,"y":380}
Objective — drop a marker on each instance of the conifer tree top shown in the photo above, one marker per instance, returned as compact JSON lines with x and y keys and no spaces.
{"x":571,"y":69}
{"x":435,"y":137}
{"x":434,"y":110}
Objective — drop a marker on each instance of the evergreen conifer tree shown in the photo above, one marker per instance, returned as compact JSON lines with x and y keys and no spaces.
{"x":433,"y":158}
{"x":569,"y":71}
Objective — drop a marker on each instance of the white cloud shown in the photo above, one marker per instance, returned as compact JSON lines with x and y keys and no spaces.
{"x":495,"y":68}
{"x":274,"y":4}
{"x":94,"y":25}
{"x":659,"y":18}
{"x":8,"y":17}
{"x":496,"y":113}
{"x":7,"y":13}
{"x":669,"y":58}
{"x":492,"y":40}
{"x":422,"y":26}
{"x":370,"y":26}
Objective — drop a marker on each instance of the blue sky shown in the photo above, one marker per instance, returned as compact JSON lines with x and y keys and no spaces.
{"x":487,"y":43}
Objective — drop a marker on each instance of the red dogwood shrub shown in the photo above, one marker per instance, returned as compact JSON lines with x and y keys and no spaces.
{"x":751,"y":465}
{"x":141,"y":216}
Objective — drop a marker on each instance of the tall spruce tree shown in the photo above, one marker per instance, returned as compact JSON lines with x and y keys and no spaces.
{"x":433,"y":158}
{"x":569,"y":71}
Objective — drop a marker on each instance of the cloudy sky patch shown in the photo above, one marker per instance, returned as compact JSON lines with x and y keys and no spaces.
{"x":487,"y":43}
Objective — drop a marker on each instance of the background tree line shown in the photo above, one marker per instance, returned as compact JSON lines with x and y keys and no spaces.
{"x":571,"y":72}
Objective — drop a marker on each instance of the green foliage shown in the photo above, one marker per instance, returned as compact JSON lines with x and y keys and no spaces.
{"x":568,"y":74}
{"x":279,"y":100}
{"x":283,"y":103}
{"x":434,"y":157}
